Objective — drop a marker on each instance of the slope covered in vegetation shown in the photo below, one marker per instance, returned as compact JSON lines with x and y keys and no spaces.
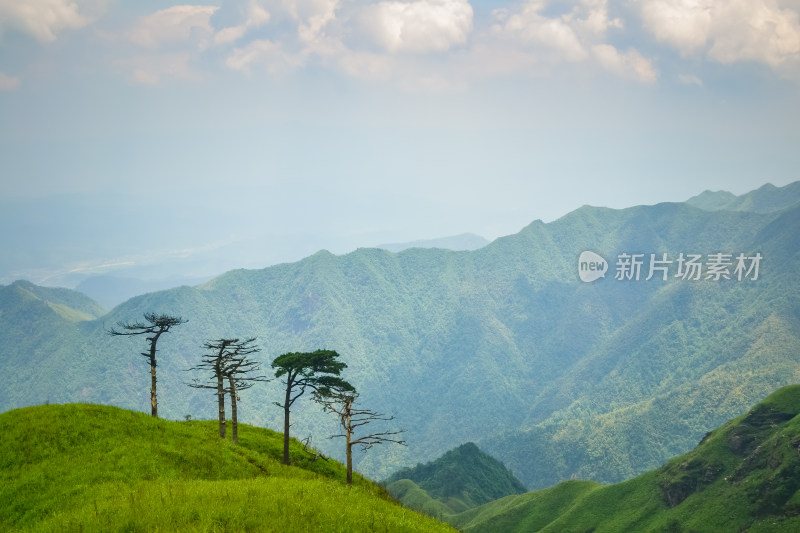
{"x":462,"y":478}
{"x":82,"y":467}
{"x":743,"y":476}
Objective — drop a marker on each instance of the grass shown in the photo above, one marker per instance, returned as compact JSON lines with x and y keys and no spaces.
{"x":414,"y":497}
{"x":81,"y":467}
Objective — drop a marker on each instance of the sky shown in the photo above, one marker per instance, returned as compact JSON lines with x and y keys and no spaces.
{"x":129,"y":128}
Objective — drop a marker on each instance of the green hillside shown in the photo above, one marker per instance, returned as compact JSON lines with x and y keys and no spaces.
{"x":462,"y":478}
{"x":503,"y":346}
{"x":75,"y":305}
{"x":82,"y":467}
{"x":743,"y":476}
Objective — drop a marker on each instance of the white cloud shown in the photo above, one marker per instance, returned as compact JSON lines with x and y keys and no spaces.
{"x":591,"y":17}
{"x":177,"y":24}
{"x":727,"y":31}
{"x":153,"y":69}
{"x":556,"y":34}
{"x":565,"y":37}
{"x":255,"y":15}
{"x":8,"y":83}
{"x":313,"y":19}
{"x":628,"y":64}
{"x":268,"y":53}
{"x":386,"y":40}
{"x":300,"y":31}
{"x":175,"y":37}
{"x":755,"y":31}
{"x":690,"y":79}
{"x":685,"y":24}
{"x":42,"y":19}
{"x":419,"y":26}
{"x":578,"y":35}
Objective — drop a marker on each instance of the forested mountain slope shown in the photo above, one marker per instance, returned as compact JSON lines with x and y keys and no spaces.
{"x":743,"y":476}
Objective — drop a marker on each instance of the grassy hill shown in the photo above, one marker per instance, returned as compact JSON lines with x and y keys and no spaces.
{"x":462,"y":478}
{"x":82,"y":467}
{"x":743,"y":476}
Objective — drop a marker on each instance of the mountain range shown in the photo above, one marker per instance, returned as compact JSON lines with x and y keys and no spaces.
{"x":504,"y":345}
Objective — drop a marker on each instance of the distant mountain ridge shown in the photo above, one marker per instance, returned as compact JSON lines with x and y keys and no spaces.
{"x":462,"y":242}
{"x":111,"y":291}
{"x":503,"y":346}
{"x":59,"y":299}
{"x":766,"y":199}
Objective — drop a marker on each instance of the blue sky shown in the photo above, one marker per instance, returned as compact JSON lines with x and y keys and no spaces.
{"x":360,"y":122}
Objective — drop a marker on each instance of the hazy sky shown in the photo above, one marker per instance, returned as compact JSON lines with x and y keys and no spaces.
{"x":390,"y":120}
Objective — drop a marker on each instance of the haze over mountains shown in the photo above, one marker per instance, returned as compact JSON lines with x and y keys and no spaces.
{"x":112,"y":254}
{"x":503,"y":345}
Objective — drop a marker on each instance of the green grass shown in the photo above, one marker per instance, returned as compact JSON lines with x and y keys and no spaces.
{"x":81,"y":467}
{"x":412,"y":496}
{"x":526,"y":512}
{"x":744,"y":476}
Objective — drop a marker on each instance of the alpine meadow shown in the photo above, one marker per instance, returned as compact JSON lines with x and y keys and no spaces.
{"x":695,"y":320}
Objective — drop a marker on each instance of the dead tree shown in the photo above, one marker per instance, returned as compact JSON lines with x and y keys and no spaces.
{"x":155,"y":326}
{"x":227,"y":361}
{"x":215,"y":361}
{"x":238,"y":371}
{"x":350,"y":418}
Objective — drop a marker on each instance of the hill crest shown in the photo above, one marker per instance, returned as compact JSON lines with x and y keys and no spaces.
{"x":110,"y":469}
{"x":462,"y":478}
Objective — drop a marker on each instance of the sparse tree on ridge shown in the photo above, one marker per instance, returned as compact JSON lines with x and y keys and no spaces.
{"x":227,"y":361}
{"x":318,"y":370}
{"x":238,"y":372}
{"x":351,"y":418}
{"x":215,"y":361}
{"x":155,"y":326}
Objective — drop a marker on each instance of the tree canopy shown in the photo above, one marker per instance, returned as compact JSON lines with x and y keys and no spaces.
{"x":318,"y":370}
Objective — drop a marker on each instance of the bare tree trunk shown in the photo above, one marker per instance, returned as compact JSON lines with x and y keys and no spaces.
{"x":349,"y":461}
{"x":153,"y":393}
{"x":234,"y":423}
{"x":221,"y":402}
{"x":286,"y":425}
{"x":348,"y":434}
